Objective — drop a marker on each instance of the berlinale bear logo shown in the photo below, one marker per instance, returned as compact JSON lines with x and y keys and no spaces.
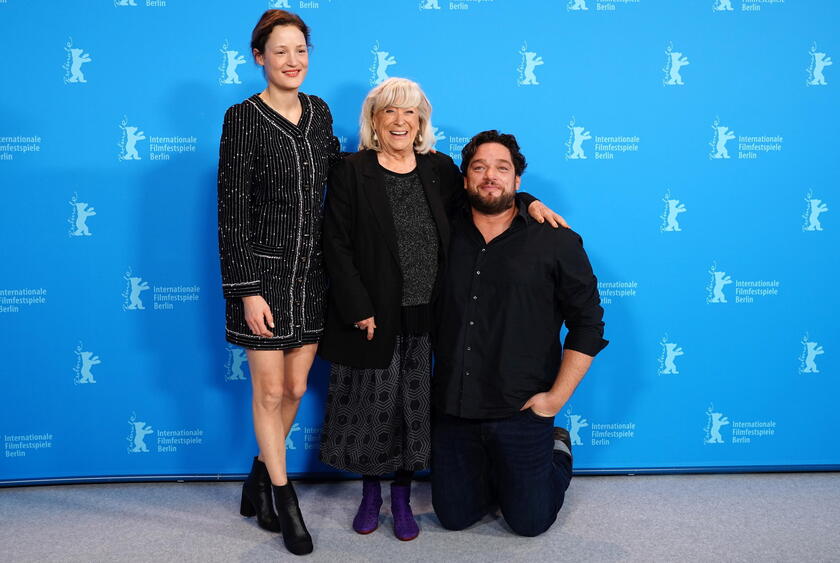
{"x":715,"y":421}
{"x":73,"y":66}
{"x":674,"y":61}
{"x":137,"y":435}
{"x":381,"y":61}
{"x":230,"y":61}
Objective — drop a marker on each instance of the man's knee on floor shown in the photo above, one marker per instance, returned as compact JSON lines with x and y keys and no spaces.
{"x":529,"y":525}
{"x":454,"y":518}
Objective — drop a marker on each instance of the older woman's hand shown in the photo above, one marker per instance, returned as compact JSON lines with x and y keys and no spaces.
{"x":541,"y":213}
{"x":368,"y":325}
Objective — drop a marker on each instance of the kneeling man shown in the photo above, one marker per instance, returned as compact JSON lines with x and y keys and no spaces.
{"x":509,"y":285}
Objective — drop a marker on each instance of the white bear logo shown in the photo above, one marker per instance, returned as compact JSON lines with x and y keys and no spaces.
{"x":125,"y":3}
{"x":279,"y":4}
{"x":815,"y":207}
{"x":810,"y":351}
{"x":381,"y":61}
{"x":526,"y":67}
{"x":128,"y":142}
{"x":670,"y":352}
{"x":237,"y":358}
{"x":137,"y":435}
{"x":715,"y":288}
{"x":290,"y":444}
{"x":576,"y":422}
{"x":84,"y":362}
{"x":73,"y":67}
{"x":78,"y":217}
{"x":722,"y":6}
{"x":83,"y":211}
{"x":429,"y":5}
{"x":576,"y":5}
{"x":673,"y":208}
{"x":721,"y":136}
{"x":674,"y":62}
{"x":577,"y":135}
{"x":134,"y":288}
{"x":715,"y":422}
{"x":819,"y":61}
{"x":230,"y":61}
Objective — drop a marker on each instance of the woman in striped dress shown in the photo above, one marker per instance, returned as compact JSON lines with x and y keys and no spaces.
{"x":275,"y":153}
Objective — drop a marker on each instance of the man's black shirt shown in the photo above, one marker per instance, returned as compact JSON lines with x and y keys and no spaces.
{"x":499,"y":312}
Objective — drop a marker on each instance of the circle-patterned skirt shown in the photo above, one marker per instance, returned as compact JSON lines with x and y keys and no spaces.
{"x":377,"y":420}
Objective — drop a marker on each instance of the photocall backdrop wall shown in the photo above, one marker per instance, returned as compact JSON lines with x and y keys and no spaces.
{"x":692,"y":143}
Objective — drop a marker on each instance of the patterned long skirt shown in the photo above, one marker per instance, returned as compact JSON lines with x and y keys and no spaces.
{"x":377,"y":420}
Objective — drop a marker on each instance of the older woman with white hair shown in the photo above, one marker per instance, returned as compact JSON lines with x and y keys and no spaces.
{"x":385,"y":236}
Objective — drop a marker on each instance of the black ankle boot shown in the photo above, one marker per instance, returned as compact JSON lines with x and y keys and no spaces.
{"x":256,"y":498}
{"x":295,"y":535}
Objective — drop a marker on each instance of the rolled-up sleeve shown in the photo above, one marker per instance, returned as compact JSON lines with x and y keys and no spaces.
{"x":240,"y":276}
{"x":577,"y":292}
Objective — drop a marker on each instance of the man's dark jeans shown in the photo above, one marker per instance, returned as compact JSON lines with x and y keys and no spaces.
{"x":509,"y":462}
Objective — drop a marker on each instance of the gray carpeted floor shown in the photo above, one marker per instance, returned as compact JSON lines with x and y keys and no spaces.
{"x":765,"y":517}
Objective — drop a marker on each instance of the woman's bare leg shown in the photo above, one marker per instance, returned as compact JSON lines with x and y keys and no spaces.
{"x":267,"y":383}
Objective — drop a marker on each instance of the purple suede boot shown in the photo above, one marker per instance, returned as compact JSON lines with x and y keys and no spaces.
{"x":367,"y":518}
{"x":405,"y":526}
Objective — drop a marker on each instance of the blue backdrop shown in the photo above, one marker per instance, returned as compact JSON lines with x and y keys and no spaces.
{"x":691,"y":142}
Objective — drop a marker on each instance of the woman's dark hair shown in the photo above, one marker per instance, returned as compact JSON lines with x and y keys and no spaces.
{"x":271,"y":19}
{"x":493,"y":136}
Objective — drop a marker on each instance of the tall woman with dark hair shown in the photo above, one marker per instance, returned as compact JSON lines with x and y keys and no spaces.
{"x":275,"y":152}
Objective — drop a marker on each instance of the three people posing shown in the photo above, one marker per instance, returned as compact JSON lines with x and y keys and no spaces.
{"x":386,"y":240}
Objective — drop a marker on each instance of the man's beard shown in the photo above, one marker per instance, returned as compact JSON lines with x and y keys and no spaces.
{"x":493,"y":206}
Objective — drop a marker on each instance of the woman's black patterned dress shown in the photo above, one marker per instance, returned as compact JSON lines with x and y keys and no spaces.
{"x":272,"y":175}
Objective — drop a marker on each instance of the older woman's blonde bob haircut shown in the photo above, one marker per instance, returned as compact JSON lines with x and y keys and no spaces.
{"x":398,"y":93}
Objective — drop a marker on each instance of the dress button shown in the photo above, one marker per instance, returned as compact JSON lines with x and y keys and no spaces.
{"x":475,"y":297}
{"x":466,"y":372}
{"x":469,"y":349}
{"x":471,"y":323}
{"x":478,"y":272}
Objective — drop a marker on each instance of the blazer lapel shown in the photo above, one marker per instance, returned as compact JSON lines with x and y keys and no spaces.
{"x":430,"y":179}
{"x":374,"y":190}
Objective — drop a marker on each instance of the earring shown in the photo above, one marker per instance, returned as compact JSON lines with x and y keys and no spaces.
{"x":375,"y":139}
{"x":419,"y":138}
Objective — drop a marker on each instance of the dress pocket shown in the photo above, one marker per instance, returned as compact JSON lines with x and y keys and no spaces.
{"x":267,"y":251}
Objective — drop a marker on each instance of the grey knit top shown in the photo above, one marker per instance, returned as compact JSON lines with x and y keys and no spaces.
{"x":417,"y":237}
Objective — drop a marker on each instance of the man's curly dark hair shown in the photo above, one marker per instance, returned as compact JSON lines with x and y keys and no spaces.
{"x":493,"y":136}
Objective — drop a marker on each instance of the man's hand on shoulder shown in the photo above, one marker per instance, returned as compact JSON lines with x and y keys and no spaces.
{"x":541,"y":213}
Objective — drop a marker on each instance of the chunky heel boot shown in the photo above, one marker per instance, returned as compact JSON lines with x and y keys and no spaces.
{"x":256,"y":498}
{"x":405,"y":526}
{"x":295,"y":535}
{"x":367,"y":518}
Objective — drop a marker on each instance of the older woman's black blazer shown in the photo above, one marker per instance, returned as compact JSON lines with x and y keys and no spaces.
{"x":361,"y":255}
